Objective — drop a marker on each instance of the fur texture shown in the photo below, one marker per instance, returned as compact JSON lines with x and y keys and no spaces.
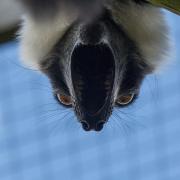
{"x":147,"y":27}
{"x":143,"y":23}
{"x":38,"y":37}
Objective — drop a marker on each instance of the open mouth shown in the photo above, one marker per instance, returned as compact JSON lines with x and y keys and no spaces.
{"x":93,"y":69}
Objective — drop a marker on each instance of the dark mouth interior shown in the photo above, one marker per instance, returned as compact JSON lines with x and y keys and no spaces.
{"x":92,"y":70}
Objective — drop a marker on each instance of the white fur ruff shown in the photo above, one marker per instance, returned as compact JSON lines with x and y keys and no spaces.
{"x":38,"y":38}
{"x":147,"y":27}
{"x":144,"y":24}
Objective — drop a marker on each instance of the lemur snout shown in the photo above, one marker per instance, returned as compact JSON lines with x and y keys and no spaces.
{"x":93,"y":72}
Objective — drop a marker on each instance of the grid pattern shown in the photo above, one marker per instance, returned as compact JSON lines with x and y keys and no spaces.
{"x":41,"y":141}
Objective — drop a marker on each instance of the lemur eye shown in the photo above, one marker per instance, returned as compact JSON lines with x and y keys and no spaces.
{"x":125,"y":99}
{"x":65,"y":100}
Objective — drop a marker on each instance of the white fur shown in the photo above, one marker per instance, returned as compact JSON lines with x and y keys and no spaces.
{"x":147,"y":27}
{"x":38,"y":37}
{"x":144,"y":24}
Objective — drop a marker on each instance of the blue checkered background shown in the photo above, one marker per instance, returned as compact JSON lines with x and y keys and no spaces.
{"x":41,"y":141}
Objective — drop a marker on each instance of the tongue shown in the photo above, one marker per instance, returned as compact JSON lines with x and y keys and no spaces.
{"x":92,"y":76}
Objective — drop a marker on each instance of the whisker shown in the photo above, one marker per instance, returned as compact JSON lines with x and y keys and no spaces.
{"x":54,"y":104}
{"x":117,"y":123}
{"x":47,"y":116}
{"x":130,"y":125}
{"x":110,"y":125}
{"x":71,"y":123}
{"x":132,"y":118}
{"x":57,"y":124}
{"x":123,"y":124}
{"x":54,"y":110}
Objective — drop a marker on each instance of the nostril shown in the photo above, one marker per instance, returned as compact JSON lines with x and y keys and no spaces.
{"x":85,"y":126}
{"x":99,"y":125}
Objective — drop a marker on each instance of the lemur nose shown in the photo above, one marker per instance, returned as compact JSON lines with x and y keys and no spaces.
{"x":98,"y":126}
{"x":85,"y":126}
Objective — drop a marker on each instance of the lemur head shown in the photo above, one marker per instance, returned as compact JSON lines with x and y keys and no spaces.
{"x":96,"y":61}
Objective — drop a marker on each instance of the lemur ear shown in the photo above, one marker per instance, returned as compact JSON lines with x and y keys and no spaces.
{"x":171,"y":5}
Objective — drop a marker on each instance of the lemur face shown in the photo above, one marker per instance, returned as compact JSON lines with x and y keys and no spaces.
{"x":95,"y":62}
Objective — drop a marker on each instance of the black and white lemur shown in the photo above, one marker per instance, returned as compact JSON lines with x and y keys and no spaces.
{"x":96,"y":53}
